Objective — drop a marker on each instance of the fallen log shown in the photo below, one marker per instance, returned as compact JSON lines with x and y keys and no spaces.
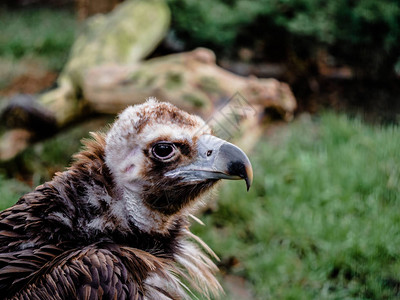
{"x":190,"y":80}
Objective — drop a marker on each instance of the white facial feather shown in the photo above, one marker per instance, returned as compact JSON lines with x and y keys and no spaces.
{"x":126,"y":142}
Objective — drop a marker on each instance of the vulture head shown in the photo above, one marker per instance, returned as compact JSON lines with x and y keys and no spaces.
{"x":163,"y":159}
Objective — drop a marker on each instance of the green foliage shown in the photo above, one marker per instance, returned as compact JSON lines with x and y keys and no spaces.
{"x":322,"y":218}
{"x":42,"y":33}
{"x":362,"y":33}
{"x":11,"y":191}
{"x":213,"y":23}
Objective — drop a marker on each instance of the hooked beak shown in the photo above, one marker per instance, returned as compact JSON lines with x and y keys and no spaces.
{"x":216,"y":159}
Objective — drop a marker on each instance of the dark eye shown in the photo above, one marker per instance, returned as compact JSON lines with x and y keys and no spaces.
{"x":163,"y":150}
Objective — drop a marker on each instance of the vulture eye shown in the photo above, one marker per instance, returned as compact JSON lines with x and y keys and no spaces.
{"x":163,"y":150}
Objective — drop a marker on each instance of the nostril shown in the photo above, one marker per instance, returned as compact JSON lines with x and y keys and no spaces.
{"x":209,"y":152}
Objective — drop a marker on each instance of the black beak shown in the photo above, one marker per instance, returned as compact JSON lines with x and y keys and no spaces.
{"x":233,"y":162}
{"x":216,"y":159}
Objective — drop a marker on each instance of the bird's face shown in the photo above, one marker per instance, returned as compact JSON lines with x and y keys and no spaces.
{"x":168,"y":157}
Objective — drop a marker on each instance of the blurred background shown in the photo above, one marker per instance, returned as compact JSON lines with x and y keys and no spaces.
{"x":322,"y":220}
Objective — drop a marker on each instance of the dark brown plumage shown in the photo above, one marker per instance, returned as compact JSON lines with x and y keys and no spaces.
{"x":115,"y":224}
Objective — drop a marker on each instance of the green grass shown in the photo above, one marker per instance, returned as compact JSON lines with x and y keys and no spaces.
{"x":38,"y":33}
{"x":322,"y":220}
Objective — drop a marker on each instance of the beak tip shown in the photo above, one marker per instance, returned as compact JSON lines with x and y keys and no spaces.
{"x":249,"y":177}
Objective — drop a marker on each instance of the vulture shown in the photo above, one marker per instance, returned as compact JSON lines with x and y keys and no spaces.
{"x":115,"y":224}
